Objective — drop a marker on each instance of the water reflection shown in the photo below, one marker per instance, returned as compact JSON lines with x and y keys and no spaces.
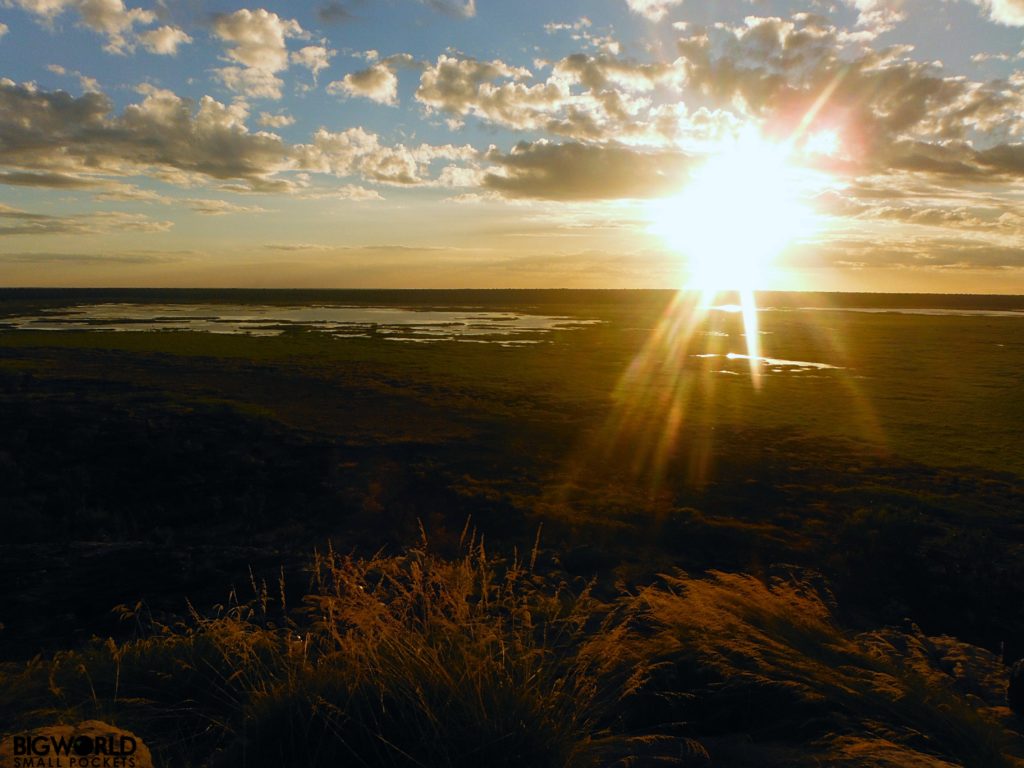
{"x":776,"y":364}
{"x":392,"y":323}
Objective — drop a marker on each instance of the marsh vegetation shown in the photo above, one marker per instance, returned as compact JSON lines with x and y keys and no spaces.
{"x":561,"y":553}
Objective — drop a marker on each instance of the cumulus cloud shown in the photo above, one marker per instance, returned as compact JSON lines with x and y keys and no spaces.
{"x":1008,"y":12}
{"x":356,"y":151}
{"x":256,"y":41}
{"x":889,"y":108}
{"x":655,"y":10}
{"x":57,"y":140}
{"x":110,"y":18}
{"x":574,"y":171}
{"x":56,"y":133}
{"x":256,"y":38}
{"x":251,"y":81}
{"x":275,"y":121}
{"x":164,"y":40}
{"x":878,"y":16}
{"x":591,"y":97}
{"x":87,"y":83}
{"x":315,"y":58}
{"x":378,"y":82}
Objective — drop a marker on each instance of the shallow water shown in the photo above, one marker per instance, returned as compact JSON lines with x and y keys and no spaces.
{"x":775,"y":363}
{"x":393,"y":323}
{"x":912,"y":311}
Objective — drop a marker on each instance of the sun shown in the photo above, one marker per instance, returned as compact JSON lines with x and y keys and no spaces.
{"x":737,"y":212}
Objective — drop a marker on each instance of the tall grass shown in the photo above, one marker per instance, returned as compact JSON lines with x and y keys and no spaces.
{"x":418,"y":660}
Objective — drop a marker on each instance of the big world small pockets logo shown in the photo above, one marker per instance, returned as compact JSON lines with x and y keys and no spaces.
{"x":69,"y":747}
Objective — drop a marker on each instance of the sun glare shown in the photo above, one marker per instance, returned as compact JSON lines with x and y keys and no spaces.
{"x":735,"y":215}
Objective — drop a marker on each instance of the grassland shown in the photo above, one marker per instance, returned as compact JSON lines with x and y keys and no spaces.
{"x":718,"y":590}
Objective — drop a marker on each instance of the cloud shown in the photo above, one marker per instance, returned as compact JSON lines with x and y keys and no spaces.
{"x":1008,"y":12}
{"x":52,"y":180}
{"x":275,"y":121}
{"x":55,"y":133}
{"x":113,"y":19}
{"x":917,"y":253}
{"x":334,"y":13}
{"x":87,"y":83}
{"x":297,"y":247}
{"x":110,"y":18}
{"x":574,"y":171}
{"x":164,"y":40}
{"x":466,"y":9}
{"x":135,"y":257}
{"x":14,"y":221}
{"x":256,"y":38}
{"x":256,"y":41}
{"x":889,"y":110}
{"x":250,"y":81}
{"x":878,"y":16}
{"x":593,"y":98}
{"x":356,"y":151}
{"x":378,"y":82}
{"x":655,"y":10}
{"x":215,"y":207}
{"x":315,"y":58}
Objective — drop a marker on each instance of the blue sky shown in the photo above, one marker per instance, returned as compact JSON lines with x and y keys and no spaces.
{"x":451,"y":143}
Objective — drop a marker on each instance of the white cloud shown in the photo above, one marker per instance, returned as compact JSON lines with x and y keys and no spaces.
{"x":275,"y":121}
{"x":50,"y":139}
{"x":164,"y":40}
{"x":356,"y":151}
{"x":113,"y":19}
{"x":1008,"y":12}
{"x":88,"y":84}
{"x":465,"y":9}
{"x":251,"y":81}
{"x":315,"y":58}
{"x":110,"y":18}
{"x":877,"y":16}
{"x":377,"y":83}
{"x":256,"y":39}
{"x":655,"y":10}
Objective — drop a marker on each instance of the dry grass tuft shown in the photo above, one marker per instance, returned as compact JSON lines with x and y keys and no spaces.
{"x":417,"y":660}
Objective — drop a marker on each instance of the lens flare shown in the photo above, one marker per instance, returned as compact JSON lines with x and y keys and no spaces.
{"x":736,"y":214}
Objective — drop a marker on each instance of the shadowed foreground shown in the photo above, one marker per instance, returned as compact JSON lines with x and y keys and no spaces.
{"x":416,"y":660}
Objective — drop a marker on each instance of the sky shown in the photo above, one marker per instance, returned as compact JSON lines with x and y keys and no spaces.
{"x":859,"y":145}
